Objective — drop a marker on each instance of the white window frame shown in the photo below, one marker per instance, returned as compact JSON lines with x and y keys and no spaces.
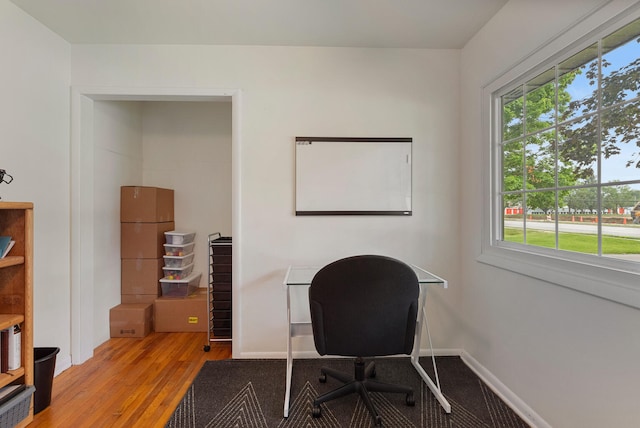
{"x":612,"y":279}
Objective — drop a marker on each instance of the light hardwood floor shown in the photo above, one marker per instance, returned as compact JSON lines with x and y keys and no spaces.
{"x":129,"y":382}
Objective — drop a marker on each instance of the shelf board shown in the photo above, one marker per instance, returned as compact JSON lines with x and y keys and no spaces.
{"x":9,"y":320}
{"x":16,"y":205}
{"x":11,"y":376}
{"x":11,"y":261}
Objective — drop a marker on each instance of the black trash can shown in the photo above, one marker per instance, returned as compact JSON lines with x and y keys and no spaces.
{"x":44,"y":365}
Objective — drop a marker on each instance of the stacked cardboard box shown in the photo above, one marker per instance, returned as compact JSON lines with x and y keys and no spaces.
{"x":146,"y":213}
{"x":131,"y":320}
{"x":184,"y":314}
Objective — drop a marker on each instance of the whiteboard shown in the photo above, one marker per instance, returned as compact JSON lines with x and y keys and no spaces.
{"x":353,"y":176}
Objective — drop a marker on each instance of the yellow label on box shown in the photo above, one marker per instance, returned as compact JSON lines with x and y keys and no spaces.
{"x":193,"y":320}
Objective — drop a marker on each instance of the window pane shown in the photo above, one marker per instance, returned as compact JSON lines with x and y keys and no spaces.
{"x":578,"y":147}
{"x":582,"y":201}
{"x":579,"y":235}
{"x":542,"y":202}
{"x":578,"y":225}
{"x":620,"y":65}
{"x":512,"y":166}
{"x":578,"y":84}
{"x":616,"y":198}
{"x":512,"y":114}
{"x":513,"y":218}
{"x":541,"y":101}
{"x":541,"y":161}
{"x":621,"y":143}
{"x":620,"y":238}
{"x":540,"y":225}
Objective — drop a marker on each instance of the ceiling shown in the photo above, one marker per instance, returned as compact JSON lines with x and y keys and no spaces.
{"x":435,"y":24}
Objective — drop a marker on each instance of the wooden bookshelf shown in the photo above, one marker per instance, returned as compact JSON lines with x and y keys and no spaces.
{"x":16,"y":289}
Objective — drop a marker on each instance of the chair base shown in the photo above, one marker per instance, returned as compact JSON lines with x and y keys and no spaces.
{"x":361,"y":383}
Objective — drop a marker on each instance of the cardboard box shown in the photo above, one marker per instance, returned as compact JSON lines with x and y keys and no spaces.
{"x":138,"y":298}
{"x":185,"y":314}
{"x":146,"y":204}
{"x":131,"y":320}
{"x":141,"y":276}
{"x":143,"y":240}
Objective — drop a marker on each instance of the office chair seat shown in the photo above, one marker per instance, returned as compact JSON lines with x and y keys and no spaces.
{"x":363,"y":306}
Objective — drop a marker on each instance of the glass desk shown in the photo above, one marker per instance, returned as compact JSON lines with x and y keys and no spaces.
{"x":297,"y":281}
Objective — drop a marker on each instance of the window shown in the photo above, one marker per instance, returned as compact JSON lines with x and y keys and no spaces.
{"x":565,"y":141}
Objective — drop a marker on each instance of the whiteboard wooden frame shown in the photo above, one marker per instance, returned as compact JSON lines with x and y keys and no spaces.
{"x":353,"y":176}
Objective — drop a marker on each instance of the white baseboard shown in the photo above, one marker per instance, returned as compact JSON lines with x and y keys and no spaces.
{"x":441,"y":352}
{"x":260,"y":356}
{"x":314,"y":354}
{"x":275,"y":355}
{"x":505,"y":394}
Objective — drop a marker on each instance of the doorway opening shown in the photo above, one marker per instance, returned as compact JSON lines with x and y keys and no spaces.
{"x":87,"y":118}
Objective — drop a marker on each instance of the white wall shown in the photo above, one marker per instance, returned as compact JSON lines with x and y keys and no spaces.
{"x":117,"y":162}
{"x":573,"y":358}
{"x":288,"y":92}
{"x":187,"y":147}
{"x":34,"y":141}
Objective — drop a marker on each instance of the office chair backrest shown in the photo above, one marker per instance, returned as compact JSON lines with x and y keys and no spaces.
{"x":364,"y":306}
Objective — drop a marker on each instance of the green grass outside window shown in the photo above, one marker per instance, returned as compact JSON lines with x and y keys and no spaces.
{"x":577,"y":242}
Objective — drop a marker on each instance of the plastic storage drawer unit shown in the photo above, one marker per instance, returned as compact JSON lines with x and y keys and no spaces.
{"x":177,"y":272}
{"x":178,"y":261}
{"x":180,"y":287}
{"x":179,"y":238}
{"x":220,"y":287}
{"x":178,"y":249}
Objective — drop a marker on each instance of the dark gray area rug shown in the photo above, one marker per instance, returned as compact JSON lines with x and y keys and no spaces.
{"x":250,"y":393}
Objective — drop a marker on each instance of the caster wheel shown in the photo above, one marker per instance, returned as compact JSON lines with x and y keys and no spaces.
{"x":323,"y":378}
{"x":207,"y":348}
{"x":410,"y":400}
{"x":373,"y":373}
{"x":316,"y":412}
{"x":378,"y":421}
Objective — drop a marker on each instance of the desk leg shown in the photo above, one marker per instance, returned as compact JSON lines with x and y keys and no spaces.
{"x":415,"y":356}
{"x":287,"y":391}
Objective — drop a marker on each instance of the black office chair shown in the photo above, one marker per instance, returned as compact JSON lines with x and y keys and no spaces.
{"x":363,"y":306}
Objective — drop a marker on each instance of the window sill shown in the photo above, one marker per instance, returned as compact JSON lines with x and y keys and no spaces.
{"x":608,"y":283}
